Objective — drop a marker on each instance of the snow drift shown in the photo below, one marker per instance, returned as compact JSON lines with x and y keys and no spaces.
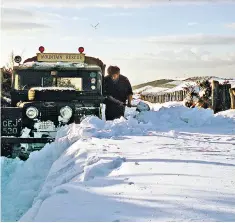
{"x":75,"y":154}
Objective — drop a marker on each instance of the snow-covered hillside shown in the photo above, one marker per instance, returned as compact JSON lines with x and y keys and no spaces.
{"x":179,"y":85}
{"x":142,"y":89}
{"x":154,"y":90}
{"x":169,"y":164}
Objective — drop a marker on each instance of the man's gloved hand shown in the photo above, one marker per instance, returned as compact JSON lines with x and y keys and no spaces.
{"x":120,"y":103}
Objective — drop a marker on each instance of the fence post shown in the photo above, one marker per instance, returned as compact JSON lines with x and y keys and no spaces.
{"x":227,"y":100}
{"x":177,"y":96}
{"x":184,"y":94}
{"x":181,"y":95}
{"x":232,"y":96}
{"x":215,"y":96}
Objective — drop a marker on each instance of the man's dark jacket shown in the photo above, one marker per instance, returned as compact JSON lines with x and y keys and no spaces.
{"x":120,"y":91}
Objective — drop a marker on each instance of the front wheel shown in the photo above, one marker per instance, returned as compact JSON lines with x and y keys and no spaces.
{"x":12,"y":151}
{"x":6,"y":150}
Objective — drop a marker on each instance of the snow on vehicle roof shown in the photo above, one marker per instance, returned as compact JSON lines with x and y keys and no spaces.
{"x":53,"y":88}
{"x":44,"y":65}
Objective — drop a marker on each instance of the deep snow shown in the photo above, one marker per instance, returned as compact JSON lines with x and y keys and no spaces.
{"x":173,"y":164}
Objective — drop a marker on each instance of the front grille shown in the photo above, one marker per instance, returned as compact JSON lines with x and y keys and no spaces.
{"x":46,"y":125}
{"x":48,"y":113}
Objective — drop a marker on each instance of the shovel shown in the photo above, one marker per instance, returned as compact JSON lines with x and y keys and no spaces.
{"x":140,"y":107}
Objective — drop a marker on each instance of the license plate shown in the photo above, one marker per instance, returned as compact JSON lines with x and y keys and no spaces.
{"x":10,"y":127}
{"x":45,"y":126}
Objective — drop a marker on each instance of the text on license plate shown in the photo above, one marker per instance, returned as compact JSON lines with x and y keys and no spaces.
{"x":45,"y":126}
{"x":10,"y":127}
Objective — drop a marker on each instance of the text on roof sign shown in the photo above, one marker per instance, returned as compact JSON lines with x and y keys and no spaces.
{"x":61,"y":57}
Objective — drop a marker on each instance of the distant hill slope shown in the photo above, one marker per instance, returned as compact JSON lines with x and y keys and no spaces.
{"x":199,"y":78}
{"x":156,"y":83}
{"x":169,"y":83}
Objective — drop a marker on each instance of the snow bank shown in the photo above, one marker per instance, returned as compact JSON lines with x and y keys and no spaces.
{"x":22,"y":181}
{"x":161,"y":118}
{"x":80,"y":162}
{"x":28,"y":184}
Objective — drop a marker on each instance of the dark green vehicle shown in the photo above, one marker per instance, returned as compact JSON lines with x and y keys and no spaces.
{"x":49,"y":91}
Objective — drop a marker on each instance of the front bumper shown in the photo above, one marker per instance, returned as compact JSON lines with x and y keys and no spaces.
{"x":17,"y":140}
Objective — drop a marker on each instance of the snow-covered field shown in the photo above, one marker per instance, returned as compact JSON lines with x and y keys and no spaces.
{"x":173,"y":164}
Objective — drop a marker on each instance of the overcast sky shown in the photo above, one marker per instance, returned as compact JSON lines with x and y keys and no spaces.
{"x":147,"y":39}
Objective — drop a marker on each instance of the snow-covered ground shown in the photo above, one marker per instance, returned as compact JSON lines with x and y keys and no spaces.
{"x":168,"y":164}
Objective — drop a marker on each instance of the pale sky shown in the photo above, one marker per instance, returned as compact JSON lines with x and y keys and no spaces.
{"x":147,"y":39}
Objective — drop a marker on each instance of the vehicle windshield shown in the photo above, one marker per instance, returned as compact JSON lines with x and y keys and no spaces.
{"x":80,"y":80}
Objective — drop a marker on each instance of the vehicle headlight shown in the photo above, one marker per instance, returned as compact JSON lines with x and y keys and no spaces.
{"x":66,"y":112}
{"x":32,"y":112}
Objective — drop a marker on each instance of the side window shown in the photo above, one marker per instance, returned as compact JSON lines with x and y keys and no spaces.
{"x":47,"y":81}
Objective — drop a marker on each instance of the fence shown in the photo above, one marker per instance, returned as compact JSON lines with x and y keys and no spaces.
{"x":223,"y":97}
{"x":165,"y":97}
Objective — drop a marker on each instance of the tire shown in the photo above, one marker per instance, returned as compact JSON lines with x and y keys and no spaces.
{"x":6,"y":150}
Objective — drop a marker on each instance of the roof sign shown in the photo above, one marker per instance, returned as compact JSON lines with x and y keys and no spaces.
{"x":61,"y":57}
